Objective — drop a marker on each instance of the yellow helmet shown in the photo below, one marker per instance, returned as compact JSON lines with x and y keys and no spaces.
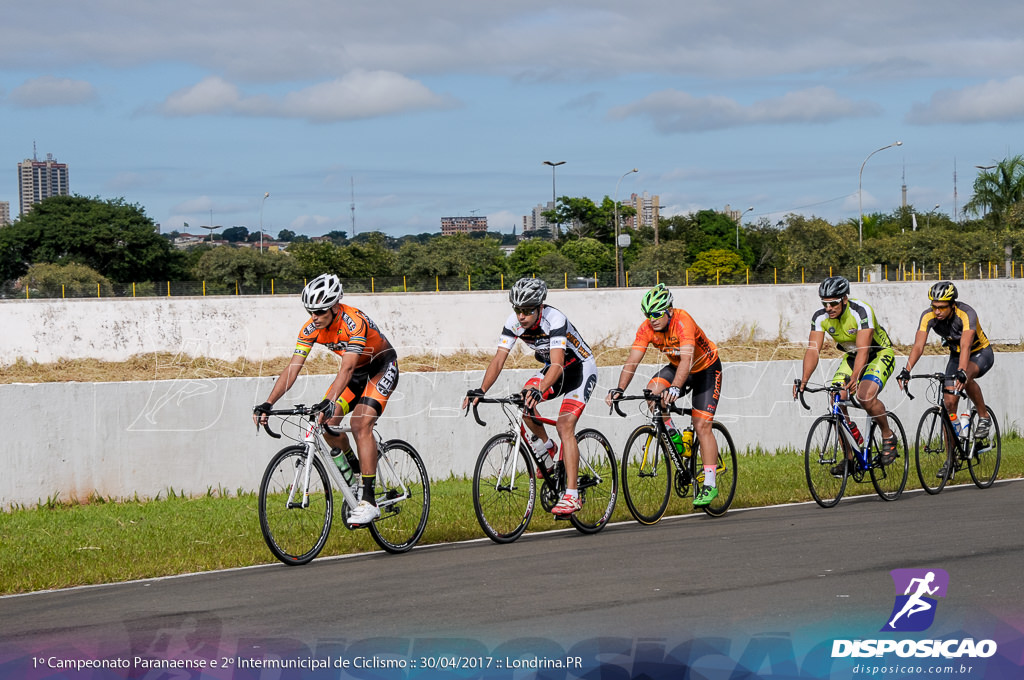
{"x":943,"y":291}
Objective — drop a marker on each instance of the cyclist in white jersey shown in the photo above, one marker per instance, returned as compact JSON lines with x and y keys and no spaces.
{"x":569,"y":371}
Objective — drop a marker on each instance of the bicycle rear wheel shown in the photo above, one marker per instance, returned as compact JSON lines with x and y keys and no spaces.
{"x":295,"y":531}
{"x":597,"y":480}
{"x":984,"y":464}
{"x":504,"y":488}
{"x":824,"y":451}
{"x":932,"y":452}
{"x":646,"y":475}
{"x":889,"y":480}
{"x":403,"y":496}
{"x":725,"y":474}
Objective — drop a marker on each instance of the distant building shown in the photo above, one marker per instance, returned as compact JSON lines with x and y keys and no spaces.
{"x":536,"y":221}
{"x":41,"y":179}
{"x":5,"y":213}
{"x":647,"y":210}
{"x":463,"y":225}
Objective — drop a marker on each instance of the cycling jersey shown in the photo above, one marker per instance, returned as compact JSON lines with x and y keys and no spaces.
{"x":856,"y":317}
{"x":682,"y":331}
{"x":552,"y":331}
{"x":952,"y":327}
{"x":351,"y":332}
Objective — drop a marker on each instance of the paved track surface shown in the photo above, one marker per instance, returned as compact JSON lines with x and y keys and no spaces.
{"x":748,"y":573}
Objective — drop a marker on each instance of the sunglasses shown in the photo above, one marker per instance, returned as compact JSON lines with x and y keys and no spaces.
{"x":831,"y":303}
{"x":655,"y":316}
{"x":940,"y":307}
{"x":525,"y":311}
{"x":319,"y":312}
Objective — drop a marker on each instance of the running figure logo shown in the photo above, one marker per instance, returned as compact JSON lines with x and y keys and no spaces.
{"x":916,"y":593}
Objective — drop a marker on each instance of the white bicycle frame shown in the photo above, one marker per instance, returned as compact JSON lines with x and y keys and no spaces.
{"x":315,"y":446}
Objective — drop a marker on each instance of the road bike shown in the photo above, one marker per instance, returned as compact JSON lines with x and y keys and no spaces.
{"x":942,"y":448}
{"x":507,"y":470}
{"x":831,"y":438}
{"x":647,"y":479}
{"x":296,"y":499}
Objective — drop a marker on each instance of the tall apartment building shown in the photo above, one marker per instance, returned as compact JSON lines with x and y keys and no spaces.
{"x":41,"y":179}
{"x":647,"y":210}
{"x":462,"y":225}
{"x":536,"y":221}
{"x":5,"y":213}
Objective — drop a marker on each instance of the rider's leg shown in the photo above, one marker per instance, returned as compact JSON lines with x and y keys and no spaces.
{"x":566,"y":427}
{"x":867,"y":395}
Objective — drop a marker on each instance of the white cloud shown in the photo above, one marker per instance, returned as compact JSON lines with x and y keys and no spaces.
{"x":47,"y":91}
{"x":360,"y":94}
{"x":673,"y":111}
{"x":1000,"y":101}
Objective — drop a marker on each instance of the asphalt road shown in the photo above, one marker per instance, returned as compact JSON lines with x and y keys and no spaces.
{"x":751,"y":573}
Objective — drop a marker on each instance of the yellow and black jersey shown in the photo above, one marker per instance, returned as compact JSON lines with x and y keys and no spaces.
{"x":952,"y":327}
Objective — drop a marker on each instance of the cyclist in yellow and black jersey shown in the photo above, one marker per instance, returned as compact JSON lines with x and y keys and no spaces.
{"x":869,"y":359}
{"x":958,"y":325}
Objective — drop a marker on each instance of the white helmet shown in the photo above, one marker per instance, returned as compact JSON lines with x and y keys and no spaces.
{"x":528,"y":293}
{"x":321,"y":293}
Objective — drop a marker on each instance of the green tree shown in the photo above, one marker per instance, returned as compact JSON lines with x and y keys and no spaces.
{"x":235,"y":234}
{"x":997,"y":190}
{"x":665,"y":263}
{"x":114,"y":238}
{"x":524,"y":259}
{"x":812,"y":245}
{"x":718,"y":265}
{"x":286,"y":235}
{"x":69,"y":280}
{"x":589,"y":255}
{"x":223,"y":267}
{"x":457,"y":255}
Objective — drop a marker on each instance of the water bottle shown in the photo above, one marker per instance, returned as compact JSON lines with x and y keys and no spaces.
{"x":687,"y":442}
{"x":677,"y":440}
{"x":855,"y":431}
{"x":965,"y":425}
{"x":344,"y":466}
{"x":543,"y":451}
{"x":955,"y":422}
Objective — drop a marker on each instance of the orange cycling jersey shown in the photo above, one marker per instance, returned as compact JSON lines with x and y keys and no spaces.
{"x":351,"y":332}
{"x":682,"y":331}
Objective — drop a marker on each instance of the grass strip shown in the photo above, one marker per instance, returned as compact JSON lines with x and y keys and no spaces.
{"x":59,"y":545}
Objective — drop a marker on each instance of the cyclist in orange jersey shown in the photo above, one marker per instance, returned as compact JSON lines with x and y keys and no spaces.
{"x":693,"y":366}
{"x":365,"y":380}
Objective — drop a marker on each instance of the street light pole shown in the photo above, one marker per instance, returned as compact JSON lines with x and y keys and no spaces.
{"x":554,"y":201}
{"x":738,"y":220}
{"x":618,"y":254}
{"x":266,"y":195}
{"x":860,"y":190}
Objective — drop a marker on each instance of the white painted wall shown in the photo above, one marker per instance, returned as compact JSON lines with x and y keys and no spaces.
{"x":121,"y":439}
{"x":262,"y":327}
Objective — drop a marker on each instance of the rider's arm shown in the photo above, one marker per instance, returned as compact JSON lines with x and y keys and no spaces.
{"x":686,"y":359}
{"x":629,"y":368}
{"x":815,"y":342}
{"x":494,"y":368}
{"x":917,"y":350}
{"x":284,"y":382}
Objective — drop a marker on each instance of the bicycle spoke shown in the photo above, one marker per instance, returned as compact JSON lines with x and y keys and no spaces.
{"x":987,"y":453}
{"x":504,"y":489}
{"x":597,"y":480}
{"x":403,"y":496}
{"x":295,"y":519}
{"x":646,"y":476}
{"x":823,"y":453}
{"x":889,"y":480}
{"x":931,"y":451}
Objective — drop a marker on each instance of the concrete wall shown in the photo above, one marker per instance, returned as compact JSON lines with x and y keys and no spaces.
{"x":417,"y":323}
{"x":120,"y":439}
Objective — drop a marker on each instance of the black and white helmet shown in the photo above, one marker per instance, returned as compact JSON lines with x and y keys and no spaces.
{"x":833,"y":287}
{"x":321,"y":293}
{"x":528,"y":293}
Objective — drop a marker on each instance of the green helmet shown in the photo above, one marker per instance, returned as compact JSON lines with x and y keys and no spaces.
{"x":657,"y":301}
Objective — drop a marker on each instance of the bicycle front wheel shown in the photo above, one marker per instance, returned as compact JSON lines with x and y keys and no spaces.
{"x":725,"y":473}
{"x":295,"y":517}
{"x":984,"y":464}
{"x":403,"y":496}
{"x":823,"y":452}
{"x":646,"y":475}
{"x":889,"y":480}
{"x":932,"y":452}
{"x":504,"y":488}
{"x":597,"y":480}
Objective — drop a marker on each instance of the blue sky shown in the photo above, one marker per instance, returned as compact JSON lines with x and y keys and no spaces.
{"x":450,"y":108}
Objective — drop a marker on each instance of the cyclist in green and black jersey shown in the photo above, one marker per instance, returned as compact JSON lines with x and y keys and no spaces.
{"x":869,"y":358}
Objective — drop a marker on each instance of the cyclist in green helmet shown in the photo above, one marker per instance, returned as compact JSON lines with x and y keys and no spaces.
{"x":693,"y":366}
